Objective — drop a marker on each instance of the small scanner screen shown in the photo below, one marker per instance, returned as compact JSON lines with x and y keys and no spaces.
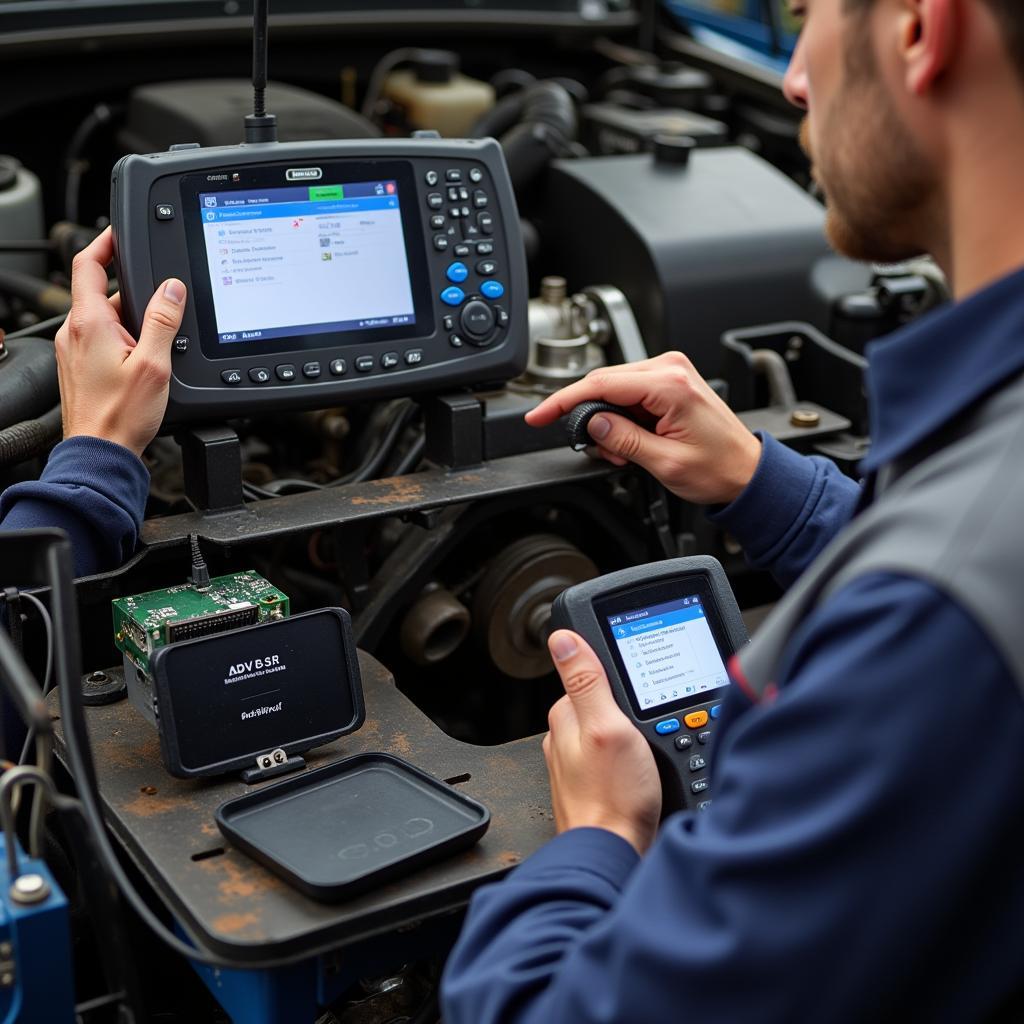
{"x":668,"y":651}
{"x":306,"y":260}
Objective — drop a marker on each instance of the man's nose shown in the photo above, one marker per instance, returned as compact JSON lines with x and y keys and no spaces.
{"x":794,"y":85}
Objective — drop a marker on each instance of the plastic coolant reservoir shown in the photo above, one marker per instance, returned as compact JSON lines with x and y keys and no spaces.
{"x":434,"y":94}
{"x":21,"y":216}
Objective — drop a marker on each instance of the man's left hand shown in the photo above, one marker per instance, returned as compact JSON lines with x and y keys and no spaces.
{"x":602,"y":771}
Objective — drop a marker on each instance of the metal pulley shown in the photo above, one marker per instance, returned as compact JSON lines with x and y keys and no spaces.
{"x":512,"y":607}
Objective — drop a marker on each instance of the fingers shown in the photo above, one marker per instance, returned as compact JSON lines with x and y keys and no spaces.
{"x":89,"y":277}
{"x":583,"y":677}
{"x":621,"y":439}
{"x":161,"y":323}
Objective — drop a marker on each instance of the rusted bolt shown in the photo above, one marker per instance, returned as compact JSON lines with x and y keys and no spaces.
{"x":805,"y":418}
{"x":148,"y":790}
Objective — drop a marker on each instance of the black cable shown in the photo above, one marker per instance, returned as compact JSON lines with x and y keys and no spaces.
{"x":200,"y":572}
{"x":39,"y":328}
{"x":412,"y":457}
{"x":74,"y":164}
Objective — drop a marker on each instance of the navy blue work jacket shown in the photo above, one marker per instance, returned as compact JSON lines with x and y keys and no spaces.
{"x":862,"y":858}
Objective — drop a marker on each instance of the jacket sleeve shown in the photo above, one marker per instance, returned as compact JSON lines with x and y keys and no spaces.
{"x":92,"y":489}
{"x":823,"y":881}
{"x":792,"y":508}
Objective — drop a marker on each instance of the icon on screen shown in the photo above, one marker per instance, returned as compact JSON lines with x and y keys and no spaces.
{"x":379,"y":189}
{"x":211,"y":216}
{"x":236,"y":177}
{"x":227,"y":280}
{"x":326,"y":256}
{"x":209,"y":200}
{"x":224,"y":252}
{"x":325,"y":241}
{"x":221,"y":233}
{"x":622,"y":632}
{"x":390,"y":188}
{"x":647,"y":701}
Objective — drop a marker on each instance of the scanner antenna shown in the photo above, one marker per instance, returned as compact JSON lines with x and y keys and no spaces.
{"x":259,"y":125}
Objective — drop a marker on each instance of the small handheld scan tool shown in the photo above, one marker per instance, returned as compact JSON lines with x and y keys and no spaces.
{"x":664,"y":633}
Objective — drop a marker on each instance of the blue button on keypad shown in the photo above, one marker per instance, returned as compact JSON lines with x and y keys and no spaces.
{"x":492,"y":289}
{"x":453,"y":296}
{"x":668,"y":727}
{"x":716,"y":711}
{"x":458,"y":272}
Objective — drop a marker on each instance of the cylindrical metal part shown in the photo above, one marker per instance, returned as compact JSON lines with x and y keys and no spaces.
{"x":554,"y":290}
{"x":434,"y":627}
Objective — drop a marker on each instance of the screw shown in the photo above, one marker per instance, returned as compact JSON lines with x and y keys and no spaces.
{"x":266,"y":762}
{"x":279,"y":756}
{"x":30,"y":889}
{"x":805,"y":418}
{"x":148,"y":790}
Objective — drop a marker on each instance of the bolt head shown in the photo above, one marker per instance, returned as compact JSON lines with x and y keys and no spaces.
{"x":30,"y":888}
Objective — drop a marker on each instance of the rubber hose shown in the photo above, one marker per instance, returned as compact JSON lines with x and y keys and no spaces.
{"x":26,"y":440}
{"x":43,"y":297}
{"x":28,"y":380}
{"x":548,"y":125}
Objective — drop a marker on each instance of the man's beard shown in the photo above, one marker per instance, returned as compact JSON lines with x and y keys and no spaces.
{"x":878,"y":186}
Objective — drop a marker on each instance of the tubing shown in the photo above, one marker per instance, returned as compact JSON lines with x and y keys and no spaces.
{"x":28,"y":380}
{"x":26,"y":440}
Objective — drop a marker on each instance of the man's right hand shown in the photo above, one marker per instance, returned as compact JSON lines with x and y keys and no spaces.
{"x":111,"y":386}
{"x":697,"y":447}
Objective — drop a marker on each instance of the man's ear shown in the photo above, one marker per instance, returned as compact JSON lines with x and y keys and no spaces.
{"x":928,"y":37}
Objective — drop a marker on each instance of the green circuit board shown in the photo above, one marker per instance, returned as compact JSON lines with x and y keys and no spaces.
{"x":144,"y":622}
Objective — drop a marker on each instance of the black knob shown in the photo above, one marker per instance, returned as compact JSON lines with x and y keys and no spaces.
{"x":673,"y":150}
{"x":477,"y":320}
{"x":580,"y":417}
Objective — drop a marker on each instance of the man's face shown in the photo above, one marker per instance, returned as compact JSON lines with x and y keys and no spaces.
{"x":877,"y":183}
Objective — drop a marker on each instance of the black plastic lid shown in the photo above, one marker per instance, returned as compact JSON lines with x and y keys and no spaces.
{"x":673,"y":149}
{"x":437,"y":66}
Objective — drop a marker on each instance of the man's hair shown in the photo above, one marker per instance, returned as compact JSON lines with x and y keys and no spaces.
{"x":1010,"y":14}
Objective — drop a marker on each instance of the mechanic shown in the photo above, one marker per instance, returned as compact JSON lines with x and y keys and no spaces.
{"x":113,"y":396}
{"x":861,"y":858}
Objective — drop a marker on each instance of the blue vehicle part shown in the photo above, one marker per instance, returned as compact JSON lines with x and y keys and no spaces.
{"x":36,"y":974}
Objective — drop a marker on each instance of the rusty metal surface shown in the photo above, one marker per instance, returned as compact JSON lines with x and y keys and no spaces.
{"x":417,"y":492}
{"x":235,"y":907}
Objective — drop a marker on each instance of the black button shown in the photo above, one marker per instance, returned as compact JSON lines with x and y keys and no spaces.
{"x":464,"y":195}
{"x":164,"y":211}
{"x":259,"y":375}
{"x":470,"y":231}
{"x":437,"y":221}
{"x":455,"y":213}
{"x":697,"y":763}
{"x":480,"y":199}
{"x":486,"y":267}
{"x":462,"y":249}
{"x":435,"y":200}
{"x":703,"y":805}
{"x":181,"y":343}
{"x":484,"y":248}
{"x":453,"y":195}
{"x":477,"y":318}
{"x":476,"y":175}
{"x":502,"y":316}
{"x":414,"y":357}
{"x":440,"y":243}
{"x":703,"y":737}
{"x":389,"y":360}
{"x":455,"y":341}
{"x":364,"y":364}
{"x":699,"y":786}
{"x":311,"y":370}
{"x":683,"y":742}
{"x":285,"y":372}
{"x":431,"y":178}
{"x":338,"y":367}
{"x":486,"y":223}
{"x":465,"y":211}
{"x":449,"y":323}
{"x":453,"y":174}
{"x":231,"y":376}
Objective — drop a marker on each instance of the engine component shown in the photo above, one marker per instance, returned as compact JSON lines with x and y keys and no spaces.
{"x":434,"y":627}
{"x":28,"y":380}
{"x":144,"y":622}
{"x":580,"y":417}
{"x":512,"y":606}
{"x":432,"y":94}
{"x":26,"y":440}
{"x":697,"y":249}
{"x":669,"y":84}
{"x":21,"y":215}
{"x":211,"y":111}
{"x":562,"y":346}
{"x":610,"y":129}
